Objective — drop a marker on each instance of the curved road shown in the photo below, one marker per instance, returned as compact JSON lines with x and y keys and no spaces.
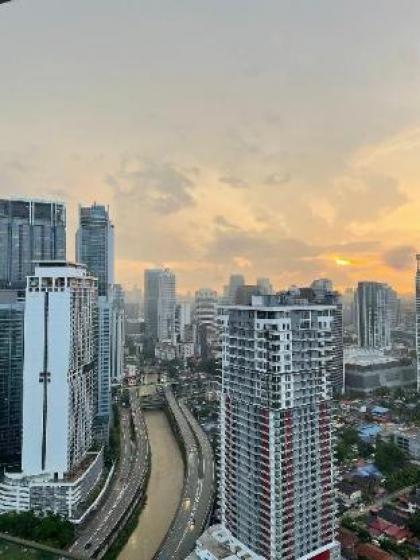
{"x":129,"y":481}
{"x":197,"y":498}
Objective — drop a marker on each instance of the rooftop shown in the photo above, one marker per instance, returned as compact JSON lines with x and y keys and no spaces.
{"x":366,"y":357}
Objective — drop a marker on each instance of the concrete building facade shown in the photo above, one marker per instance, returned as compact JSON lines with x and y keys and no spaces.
{"x":160,"y":305}
{"x":58,"y":468}
{"x":374,"y":314}
{"x":277,"y":466}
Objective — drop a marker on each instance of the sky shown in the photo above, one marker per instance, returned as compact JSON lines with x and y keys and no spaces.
{"x":276,"y":138}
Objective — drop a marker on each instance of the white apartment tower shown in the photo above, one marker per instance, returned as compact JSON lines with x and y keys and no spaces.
{"x":277,"y":479}
{"x":59,"y":368}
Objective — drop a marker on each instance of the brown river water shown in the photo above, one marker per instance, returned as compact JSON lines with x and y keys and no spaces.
{"x":164,"y":490}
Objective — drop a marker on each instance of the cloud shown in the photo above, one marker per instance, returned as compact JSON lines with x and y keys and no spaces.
{"x":222,"y":222}
{"x":277,"y":179}
{"x":263,"y":249}
{"x":234,"y":182}
{"x":401,"y":257}
{"x":365,"y":198}
{"x":163,"y":187}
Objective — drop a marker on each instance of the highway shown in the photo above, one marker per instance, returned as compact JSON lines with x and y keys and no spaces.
{"x":198,"y":492}
{"x":126,"y":490}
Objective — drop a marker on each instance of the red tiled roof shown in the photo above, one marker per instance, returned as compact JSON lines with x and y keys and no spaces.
{"x":372,"y":552}
{"x":380,"y":527}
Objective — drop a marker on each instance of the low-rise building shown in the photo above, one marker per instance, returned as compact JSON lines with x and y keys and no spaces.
{"x":407,"y":439}
{"x":379,"y":528}
{"x":216,"y":544}
{"x":368,"y":369}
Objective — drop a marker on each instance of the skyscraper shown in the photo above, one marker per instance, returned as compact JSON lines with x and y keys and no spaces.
{"x":374,"y":314}
{"x":11,"y":369}
{"x":277,"y":493}
{"x":58,"y":469}
{"x":322,"y":285}
{"x":30,"y":231}
{"x":235,"y":282}
{"x":264,"y":286}
{"x":418,"y":320}
{"x":95,"y":249}
{"x":117,"y":340}
{"x":59,"y":368}
{"x":95,"y":245}
{"x":205,"y":316}
{"x":160,"y":304}
{"x":183,"y":321}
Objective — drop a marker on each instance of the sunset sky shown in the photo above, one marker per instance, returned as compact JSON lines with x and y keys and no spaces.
{"x":274,"y":138}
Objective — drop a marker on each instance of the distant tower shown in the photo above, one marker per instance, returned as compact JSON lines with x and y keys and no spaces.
{"x":205,"y":315}
{"x":160,"y":304}
{"x":95,"y":249}
{"x":30,"y":231}
{"x":418,"y":320}
{"x":235,"y":281}
{"x":95,"y":245}
{"x":264,"y":286}
{"x":374,"y":314}
{"x":322,"y":285}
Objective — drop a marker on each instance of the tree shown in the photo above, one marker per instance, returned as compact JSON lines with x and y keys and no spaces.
{"x":414,"y":524}
{"x":50,"y":529}
{"x":389,"y":457}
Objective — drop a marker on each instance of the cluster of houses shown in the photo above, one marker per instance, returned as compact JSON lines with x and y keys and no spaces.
{"x":388,"y":523}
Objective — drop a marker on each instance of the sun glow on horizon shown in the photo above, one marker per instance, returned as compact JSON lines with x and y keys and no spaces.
{"x":339,"y":261}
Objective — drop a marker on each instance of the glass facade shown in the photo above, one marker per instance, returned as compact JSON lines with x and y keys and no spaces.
{"x":30,"y":231}
{"x":94,"y":245}
{"x":11,"y":368}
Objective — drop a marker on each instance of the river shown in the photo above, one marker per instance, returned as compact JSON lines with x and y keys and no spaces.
{"x":164,"y":490}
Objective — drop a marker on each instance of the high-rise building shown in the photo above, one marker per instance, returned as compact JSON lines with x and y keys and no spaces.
{"x":418,"y":320}
{"x":133,"y":304}
{"x":117,"y":340}
{"x":58,"y":469}
{"x":265,"y":287}
{"x":277,"y":461}
{"x":229,"y":291}
{"x":374,"y":316}
{"x":349,"y":307}
{"x":95,"y":245}
{"x":95,"y":249}
{"x":183,"y":321}
{"x":394,"y":307}
{"x":205,"y":317}
{"x":160,"y":305}
{"x":59,"y":368}
{"x":11,"y":380}
{"x":322,"y":285}
{"x":30,"y":231}
{"x":245,"y":293}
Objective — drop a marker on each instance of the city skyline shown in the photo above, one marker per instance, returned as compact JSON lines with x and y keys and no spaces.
{"x":287,"y":147}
